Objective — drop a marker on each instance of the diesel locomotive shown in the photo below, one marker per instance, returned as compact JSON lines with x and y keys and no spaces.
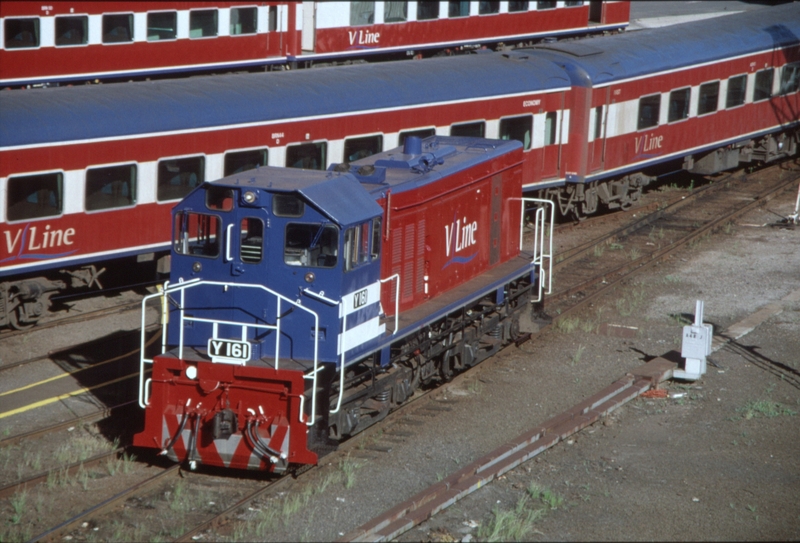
{"x":304,"y":305}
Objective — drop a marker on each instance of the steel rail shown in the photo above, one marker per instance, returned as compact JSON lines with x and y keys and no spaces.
{"x":628,"y":270}
{"x":42,"y":476}
{"x":91,"y":417}
{"x":57,"y":533}
{"x":72,"y":319}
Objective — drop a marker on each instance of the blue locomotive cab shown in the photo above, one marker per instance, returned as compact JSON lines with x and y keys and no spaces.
{"x":277,"y":264}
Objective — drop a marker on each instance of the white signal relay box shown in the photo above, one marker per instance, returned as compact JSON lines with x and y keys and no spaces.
{"x":696,"y":346}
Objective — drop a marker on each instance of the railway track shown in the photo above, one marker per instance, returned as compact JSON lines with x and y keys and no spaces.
{"x":637,"y":246}
{"x":568,"y":300}
{"x":73,"y":319}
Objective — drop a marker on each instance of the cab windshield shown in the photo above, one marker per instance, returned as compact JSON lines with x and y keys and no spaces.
{"x":196,"y":234}
{"x":314,"y":245}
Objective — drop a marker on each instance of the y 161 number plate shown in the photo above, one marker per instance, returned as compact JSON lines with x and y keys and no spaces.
{"x":228,"y":351}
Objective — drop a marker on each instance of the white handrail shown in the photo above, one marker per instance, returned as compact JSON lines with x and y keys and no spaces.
{"x":341,"y":364}
{"x":228,"y":230}
{"x":182,"y":287}
{"x":539,"y":235}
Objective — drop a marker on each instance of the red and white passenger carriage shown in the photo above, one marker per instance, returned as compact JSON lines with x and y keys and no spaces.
{"x":88,"y":175}
{"x":64,"y":42}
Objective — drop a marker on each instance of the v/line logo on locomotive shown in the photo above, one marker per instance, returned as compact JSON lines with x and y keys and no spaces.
{"x":464,"y":233}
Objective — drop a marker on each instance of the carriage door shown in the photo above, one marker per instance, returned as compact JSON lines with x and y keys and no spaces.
{"x":309,"y":26}
{"x":595,"y":12}
{"x":599,"y":122}
{"x":553,"y":128}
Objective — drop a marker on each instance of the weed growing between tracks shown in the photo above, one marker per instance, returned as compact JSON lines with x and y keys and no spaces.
{"x":13,"y":528}
{"x":764,"y":408}
{"x":281,"y":511}
{"x":82,"y":446}
{"x":518,"y":523}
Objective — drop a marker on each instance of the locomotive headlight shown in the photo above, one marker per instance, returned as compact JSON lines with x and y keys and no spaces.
{"x":249,"y":197}
{"x":197,"y":267}
{"x":310,"y":277}
{"x":191,"y":372}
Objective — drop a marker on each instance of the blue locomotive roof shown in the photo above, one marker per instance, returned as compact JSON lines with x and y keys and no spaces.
{"x":650,"y":51}
{"x":337,"y":195}
{"x":78,"y":113}
{"x":349,"y":197}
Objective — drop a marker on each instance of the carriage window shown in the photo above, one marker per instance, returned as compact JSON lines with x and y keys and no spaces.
{"x":72,"y":30}
{"x":162,"y":25}
{"x":476,"y":130}
{"x":111,"y":187}
{"x":118,"y":28}
{"x":244,"y":21}
{"x":517,"y":6}
{"x":362,"y":13}
{"x":312,"y":245}
{"x":736,"y":89}
{"x":709,"y":98}
{"x":421,"y":134}
{"x":546,"y":4}
{"x":763,"y":89}
{"x":287,"y":205}
{"x":34,"y":196}
{"x":427,"y":10}
{"x":203,"y":23}
{"x":308,"y":156}
{"x":550,"y":128}
{"x":649,"y":108}
{"x":488,"y":8}
{"x":356,"y":148}
{"x":573,"y":3}
{"x":251,"y":241}
{"x":790,"y":79}
{"x":241,"y":161}
{"x":178,"y":176}
{"x":598,"y":122}
{"x":395,"y":12}
{"x":21,"y":33}
{"x":196,"y":234}
{"x":679,"y":104}
{"x":517,"y":128}
{"x":272,"y":23}
{"x":219,"y":198}
{"x":457,"y":8}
